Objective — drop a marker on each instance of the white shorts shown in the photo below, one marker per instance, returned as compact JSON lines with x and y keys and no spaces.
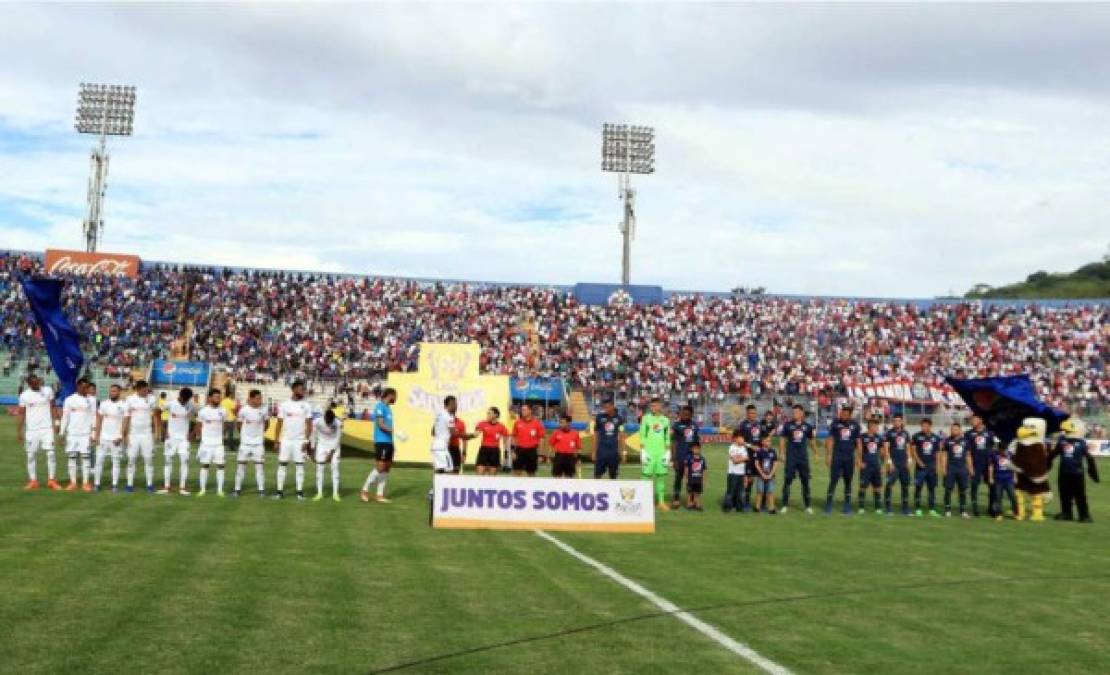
{"x":322,"y":454}
{"x":140,"y":445}
{"x":77,"y":445}
{"x":291,"y":451}
{"x":251,"y":452}
{"x":176,"y":447}
{"x":211,"y":454}
{"x":113,"y":449}
{"x":441,"y":461}
{"x":39,"y":440}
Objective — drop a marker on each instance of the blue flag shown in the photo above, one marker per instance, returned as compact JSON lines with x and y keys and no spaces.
{"x":62,"y":344}
{"x":1003,"y":402}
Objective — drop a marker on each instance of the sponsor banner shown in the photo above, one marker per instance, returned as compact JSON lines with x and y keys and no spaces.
{"x":85,"y":264}
{"x":537,"y":388}
{"x":444,"y":369}
{"x":1099,"y":448}
{"x":500,"y":503}
{"x":180,"y":374}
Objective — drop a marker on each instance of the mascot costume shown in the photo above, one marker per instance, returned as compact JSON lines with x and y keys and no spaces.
{"x":1030,"y":461}
{"x":1075,"y":457}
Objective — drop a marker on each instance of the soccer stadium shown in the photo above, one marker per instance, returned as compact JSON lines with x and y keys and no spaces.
{"x":361,"y":378}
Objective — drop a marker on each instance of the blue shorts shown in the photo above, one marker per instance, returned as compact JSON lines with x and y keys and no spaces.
{"x":797,"y":468}
{"x":925,"y":477}
{"x":959,"y":479}
{"x":871,"y":474}
{"x":607,"y":463}
{"x":765,"y":486}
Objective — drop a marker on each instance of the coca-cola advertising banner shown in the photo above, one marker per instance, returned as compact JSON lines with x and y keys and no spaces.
{"x":85,"y":264}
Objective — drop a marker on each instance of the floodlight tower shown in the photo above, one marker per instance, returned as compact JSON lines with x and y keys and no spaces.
{"x":104,"y":110}
{"x":626,"y":150}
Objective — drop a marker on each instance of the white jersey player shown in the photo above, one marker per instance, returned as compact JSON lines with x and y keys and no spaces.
{"x":36,"y":430}
{"x":141,"y":419}
{"x":179,"y":428}
{"x":109,"y":434}
{"x":326,"y":435}
{"x":442,"y":430}
{"x":211,"y":419}
{"x":294,"y":427}
{"x":78,"y":417}
{"x":252,"y":438}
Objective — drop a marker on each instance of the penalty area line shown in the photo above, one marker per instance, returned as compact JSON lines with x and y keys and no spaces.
{"x":712,"y":632}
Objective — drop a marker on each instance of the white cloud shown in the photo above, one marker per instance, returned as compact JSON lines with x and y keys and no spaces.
{"x":844,"y":150}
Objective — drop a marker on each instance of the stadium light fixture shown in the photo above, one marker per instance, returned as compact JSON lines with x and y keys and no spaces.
{"x":625,"y":150}
{"x":102,"y":110}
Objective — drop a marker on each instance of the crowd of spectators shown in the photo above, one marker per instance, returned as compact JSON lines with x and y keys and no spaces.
{"x":272,"y":325}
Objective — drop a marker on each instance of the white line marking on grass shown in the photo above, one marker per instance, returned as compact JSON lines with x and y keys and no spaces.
{"x":712,"y":632}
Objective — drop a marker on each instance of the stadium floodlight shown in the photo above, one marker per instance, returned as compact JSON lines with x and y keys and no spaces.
{"x":103,"y":110}
{"x":625,"y":150}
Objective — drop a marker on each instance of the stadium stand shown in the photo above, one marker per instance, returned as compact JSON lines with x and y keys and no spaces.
{"x":348,"y":331}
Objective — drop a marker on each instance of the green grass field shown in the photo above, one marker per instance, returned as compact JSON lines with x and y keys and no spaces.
{"x":140,"y":583}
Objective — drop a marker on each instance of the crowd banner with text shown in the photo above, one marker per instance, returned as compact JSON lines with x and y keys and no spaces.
{"x":502,"y":503}
{"x":81,"y":263}
{"x":444,"y":369}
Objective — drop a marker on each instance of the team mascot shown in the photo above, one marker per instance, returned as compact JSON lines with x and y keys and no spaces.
{"x":1075,"y":457}
{"x":1030,"y":451}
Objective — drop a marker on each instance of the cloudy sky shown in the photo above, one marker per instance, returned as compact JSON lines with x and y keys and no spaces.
{"x":894,"y":150}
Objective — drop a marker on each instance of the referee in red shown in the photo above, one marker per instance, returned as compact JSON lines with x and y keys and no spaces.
{"x":528,"y":434}
{"x":567,"y":444}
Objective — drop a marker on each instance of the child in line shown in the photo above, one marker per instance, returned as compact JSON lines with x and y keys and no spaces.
{"x":766,"y":465}
{"x":737,"y":465}
{"x":696,"y":468}
{"x":1000,"y":476}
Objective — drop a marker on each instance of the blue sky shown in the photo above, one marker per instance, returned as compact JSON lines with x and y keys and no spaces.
{"x":838,"y":149}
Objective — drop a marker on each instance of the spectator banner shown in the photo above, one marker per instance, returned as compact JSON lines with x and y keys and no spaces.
{"x":180,"y":374}
{"x":499,"y":503}
{"x":86,"y":264}
{"x":537,"y":388}
{"x":1100,"y":448}
{"x":445,"y":369}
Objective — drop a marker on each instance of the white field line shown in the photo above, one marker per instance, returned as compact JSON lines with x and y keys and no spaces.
{"x":712,"y":632}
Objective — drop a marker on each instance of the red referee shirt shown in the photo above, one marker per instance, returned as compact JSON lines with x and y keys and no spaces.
{"x":566,"y":442}
{"x":528,"y":434}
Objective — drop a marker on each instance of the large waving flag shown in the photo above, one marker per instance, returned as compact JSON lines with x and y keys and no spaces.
{"x":62,"y":343}
{"x":1003,"y":402}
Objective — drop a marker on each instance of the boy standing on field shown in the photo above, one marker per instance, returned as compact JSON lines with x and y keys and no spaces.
{"x":695,"y":468}
{"x":737,"y":465}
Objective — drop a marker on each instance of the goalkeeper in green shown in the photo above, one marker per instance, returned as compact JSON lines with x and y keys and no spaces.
{"x":655,"y":449}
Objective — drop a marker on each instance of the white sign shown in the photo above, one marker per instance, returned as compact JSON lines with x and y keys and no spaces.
{"x":502,"y":503}
{"x":1099,"y":448}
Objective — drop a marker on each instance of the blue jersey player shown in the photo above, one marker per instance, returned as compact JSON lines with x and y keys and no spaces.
{"x":841,"y":450}
{"x":958,"y":469}
{"x":684,"y":435}
{"x":870,"y":462}
{"x":981,"y":441}
{"x":794,"y":441}
{"x":751,"y":430}
{"x":896,"y":441}
{"x":924,"y":447}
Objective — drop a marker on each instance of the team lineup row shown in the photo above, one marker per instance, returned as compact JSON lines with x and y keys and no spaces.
{"x":966,"y":461}
{"x":126,"y":427}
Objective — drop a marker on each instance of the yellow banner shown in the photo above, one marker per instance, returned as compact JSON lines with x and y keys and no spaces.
{"x":444,"y":369}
